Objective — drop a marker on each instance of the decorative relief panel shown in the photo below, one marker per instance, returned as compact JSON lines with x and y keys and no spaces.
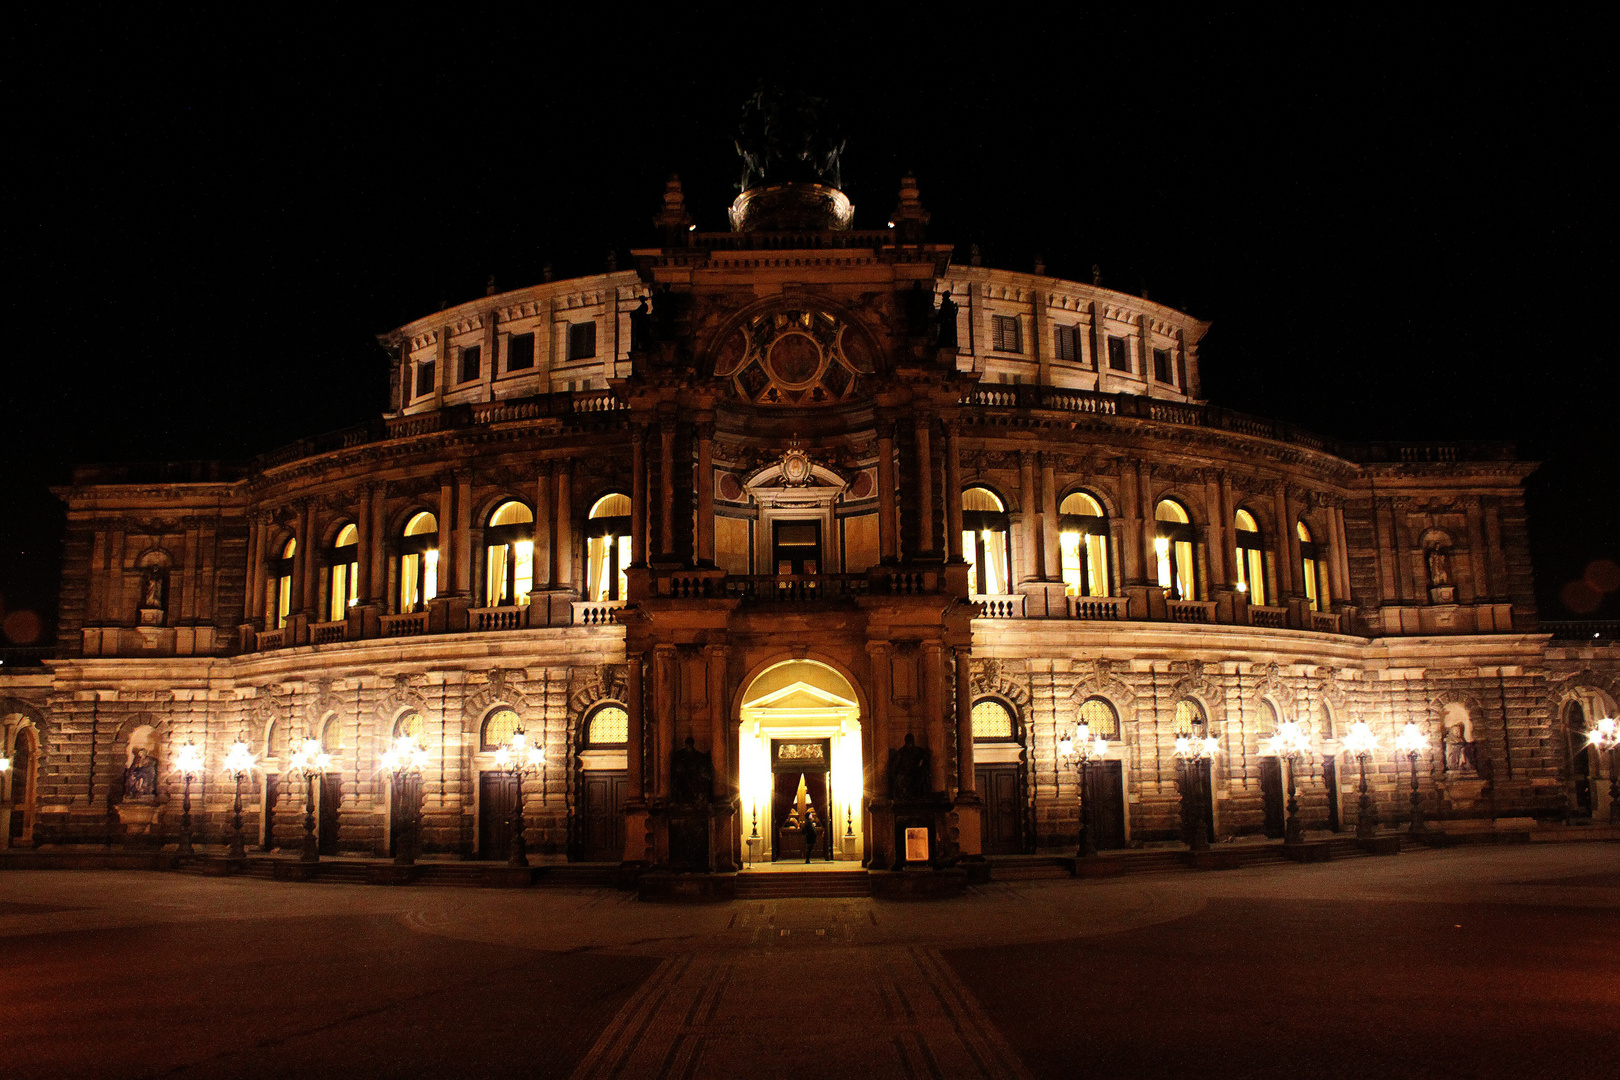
{"x":793,"y":358}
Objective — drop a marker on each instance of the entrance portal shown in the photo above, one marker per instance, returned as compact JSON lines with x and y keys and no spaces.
{"x":799,"y":756}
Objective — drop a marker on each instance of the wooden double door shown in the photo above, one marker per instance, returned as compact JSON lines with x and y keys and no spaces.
{"x":1002,"y":791}
{"x":404,"y":802}
{"x":1104,"y":804}
{"x":497,"y":798}
{"x":602,"y":795}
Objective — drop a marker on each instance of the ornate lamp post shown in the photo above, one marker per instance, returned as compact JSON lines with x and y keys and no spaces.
{"x":1192,"y":751}
{"x":521,"y":757}
{"x":1360,"y":741}
{"x":1076,"y":752}
{"x":1412,"y":743}
{"x":309,"y":761}
{"x":1290,"y":744}
{"x":238,"y":765}
{"x":1606,"y":736}
{"x":188,"y":762}
{"x":407,"y":756}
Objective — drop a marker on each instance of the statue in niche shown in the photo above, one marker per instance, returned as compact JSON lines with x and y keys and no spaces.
{"x":1439,"y":562}
{"x":140,"y":775}
{"x":641,"y":328}
{"x":1461,"y":753}
{"x":152,"y":588}
{"x":947,"y":322}
{"x":691,"y":775}
{"x":908,"y":770}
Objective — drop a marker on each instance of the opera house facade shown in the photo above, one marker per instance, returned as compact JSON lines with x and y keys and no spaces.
{"x":799,"y":523}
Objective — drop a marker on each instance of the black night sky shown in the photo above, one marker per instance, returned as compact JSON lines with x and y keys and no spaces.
{"x":1400,"y":228}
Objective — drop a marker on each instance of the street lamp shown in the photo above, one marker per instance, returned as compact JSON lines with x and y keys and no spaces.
{"x":1290,"y":744}
{"x":1076,"y":751}
{"x":1606,"y":736}
{"x":238,"y":764}
{"x":407,"y":756}
{"x":1193,"y":751}
{"x":1412,"y":743}
{"x":188,"y":762}
{"x":309,"y":761}
{"x":1360,"y":742}
{"x":520,"y":757}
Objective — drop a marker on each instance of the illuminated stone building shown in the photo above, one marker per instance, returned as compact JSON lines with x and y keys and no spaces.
{"x":799,"y":493}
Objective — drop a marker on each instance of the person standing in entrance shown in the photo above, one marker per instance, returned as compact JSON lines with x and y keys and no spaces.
{"x":809,"y":830}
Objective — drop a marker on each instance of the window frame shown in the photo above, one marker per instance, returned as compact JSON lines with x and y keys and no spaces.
{"x":1067,"y":338}
{"x":511,"y":340}
{"x":976,"y":523}
{"x":426,"y":378}
{"x":1119,"y":354}
{"x":579,"y":334}
{"x":598,"y":528}
{"x":419,"y":545}
{"x":1164,"y":362}
{"x":1085,"y":525}
{"x":1313,"y":567}
{"x":1257,"y":547}
{"x":1177,"y":533}
{"x":999,"y":325}
{"x":508,"y":537}
{"x":470,"y":355}
{"x":348,"y":569}
{"x":1014,"y":729}
{"x":586,"y":742}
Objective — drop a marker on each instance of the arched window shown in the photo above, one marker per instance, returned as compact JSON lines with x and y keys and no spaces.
{"x":408,"y":726}
{"x":993,"y":722}
{"x":1189,"y":716}
{"x":609,"y":542}
{"x":342,"y":573}
{"x":419,"y":562}
{"x":984,"y":541}
{"x":1251,"y":558}
{"x":1083,"y":541}
{"x":498,"y":729}
{"x":1269,"y":722}
{"x":281,"y":579}
{"x":1173,"y":543}
{"x":509,"y":555}
{"x":1314,"y":567}
{"x":607,"y":725}
{"x":1101,"y":716}
{"x":332,"y":734}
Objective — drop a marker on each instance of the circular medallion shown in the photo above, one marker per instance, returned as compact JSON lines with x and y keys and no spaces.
{"x":795,"y":467}
{"x":795,"y":359}
{"x":729,"y":487}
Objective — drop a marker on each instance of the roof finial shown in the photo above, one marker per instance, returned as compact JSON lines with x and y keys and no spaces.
{"x":909,"y":218}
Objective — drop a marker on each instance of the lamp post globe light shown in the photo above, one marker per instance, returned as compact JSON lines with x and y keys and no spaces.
{"x":521,"y":757}
{"x":1411,"y":742}
{"x":1606,"y":736}
{"x":238,"y":765}
{"x":1290,"y":744}
{"x":309,"y":761}
{"x":1360,"y":741}
{"x":406,"y":758}
{"x":1192,"y":751}
{"x":1077,"y":751}
{"x":188,"y":762}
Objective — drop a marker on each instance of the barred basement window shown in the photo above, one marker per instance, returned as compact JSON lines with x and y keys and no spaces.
{"x":519,"y":352}
{"x":424,"y":378}
{"x":1098,"y":713}
{"x":608,"y":725}
{"x":408,"y":726}
{"x":1068,"y":343}
{"x":1161,"y":366}
{"x":1005,"y":334}
{"x":472,"y":363}
{"x":992,"y":722}
{"x":1119,"y":354}
{"x":498,"y":729}
{"x":1188,"y":716}
{"x":581,"y":341}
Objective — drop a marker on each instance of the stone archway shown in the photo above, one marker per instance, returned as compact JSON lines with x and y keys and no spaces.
{"x":799,"y":746}
{"x":21,"y":790}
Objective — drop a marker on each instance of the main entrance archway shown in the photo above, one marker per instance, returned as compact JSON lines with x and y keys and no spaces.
{"x":799,"y":756}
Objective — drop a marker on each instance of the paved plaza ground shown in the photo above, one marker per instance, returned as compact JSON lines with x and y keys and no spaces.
{"x":1469,"y":962}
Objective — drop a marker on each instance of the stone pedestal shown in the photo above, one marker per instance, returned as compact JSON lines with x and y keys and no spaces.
{"x":141,"y":821}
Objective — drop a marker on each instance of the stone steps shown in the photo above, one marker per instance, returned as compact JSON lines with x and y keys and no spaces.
{"x":785,"y":884}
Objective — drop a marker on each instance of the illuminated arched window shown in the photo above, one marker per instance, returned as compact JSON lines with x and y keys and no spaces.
{"x":984,"y":541}
{"x":408,"y":726}
{"x":1173,"y":543}
{"x":342,"y":573}
{"x":609,"y":548}
{"x":993,"y":722}
{"x":419,"y":562}
{"x":1314,"y":568}
{"x":281,"y":579}
{"x":1251,"y":558}
{"x":1083,"y":541}
{"x":1269,"y":721}
{"x":509,"y":555}
{"x":607,"y":725}
{"x":1098,"y":713}
{"x":499,"y":727}
{"x":332,"y":734}
{"x":1189,"y":715}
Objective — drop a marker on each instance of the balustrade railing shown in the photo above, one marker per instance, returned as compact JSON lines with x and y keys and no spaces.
{"x":1100,"y":607}
{"x":1273,"y":618}
{"x":996,"y":606}
{"x":407,"y":625}
{"x":1191,"y":611}
{"x":271,"y":639}
{"x":324,"y":633}
{"x":496,"y":618}
{"x":795,"y":587}
{"x":1325,"y":622}
{"x":596,"y":613}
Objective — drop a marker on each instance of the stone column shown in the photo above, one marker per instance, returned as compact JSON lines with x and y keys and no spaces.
{"x":635,"y":737}
{"x":1146,"y":509}
{"x":878,"y":654}
{"x":365,"y":535}
{"x":965,"y":783}
{"x":666,"y":468}
{"x":1286,"y":544}
{"x":1027,"y":570}
{"x":925,"y":487}
{"x":309,"y":564}
{"x":1220,"y":523}
{"x":258,"y":538}
{"x":1052,"y":561}
{"x":888,"y":550}
{"x":1476,"y":552}
{"x":544,"y":504}
{"x":638,"y":495}
{"x":464,"y":536}
{"x":722,"y":829}
{"x":562,"y":524}
{"x":447,"y":505}
{"x":664,"y":690}
{"x":705,"y":496}
{"x":933,"y":676}
{"x":1130,"y":544}
{"x":953,"y":490}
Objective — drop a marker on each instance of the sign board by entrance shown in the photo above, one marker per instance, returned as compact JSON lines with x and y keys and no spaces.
{"x":916,"y":845}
